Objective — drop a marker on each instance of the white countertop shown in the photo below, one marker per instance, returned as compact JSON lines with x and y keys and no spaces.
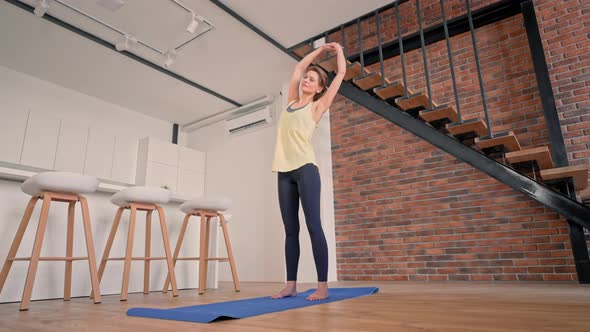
{"x":20,"y":173}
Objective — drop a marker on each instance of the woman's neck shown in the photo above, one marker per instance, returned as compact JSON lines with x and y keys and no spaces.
{"x":305,"y":98}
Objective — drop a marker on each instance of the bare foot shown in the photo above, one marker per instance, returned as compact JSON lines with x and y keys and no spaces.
{"x":289,"y":290}
{"x":320,"y":293}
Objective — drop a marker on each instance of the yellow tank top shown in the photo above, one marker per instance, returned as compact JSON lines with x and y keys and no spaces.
{"x":293,"y":148}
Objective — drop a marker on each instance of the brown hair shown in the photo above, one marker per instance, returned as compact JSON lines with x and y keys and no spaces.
{"x":322,"y":82}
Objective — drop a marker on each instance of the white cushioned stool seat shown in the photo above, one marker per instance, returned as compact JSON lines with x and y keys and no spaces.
{"x":146,"y":195}
{"x":211,"y":203}
{"x":60,"y":182}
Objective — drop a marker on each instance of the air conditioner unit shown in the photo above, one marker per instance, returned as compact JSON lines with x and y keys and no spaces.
{"x":244,"y":122}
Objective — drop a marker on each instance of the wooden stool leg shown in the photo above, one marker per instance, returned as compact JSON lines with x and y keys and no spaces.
{"x":146,"y":264}
{"x":109,"y":245}
{"x":128,"y":253}
{"x":167,"y":250}
{"x":206,"y":256}
{"x":69,"y":251}
{"x":24,"y":305}
{"x":176,"y":250}
{"x":202,"y":255}
{"x":230,"y":255}
{"x":18,"y":237}
{"x":90,"y":250}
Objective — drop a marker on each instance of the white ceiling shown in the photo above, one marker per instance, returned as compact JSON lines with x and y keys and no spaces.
{"x":231,"y":59}
{"x":292,"y":21}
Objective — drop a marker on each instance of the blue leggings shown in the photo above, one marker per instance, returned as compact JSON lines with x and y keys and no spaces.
{"x":303,"y":183}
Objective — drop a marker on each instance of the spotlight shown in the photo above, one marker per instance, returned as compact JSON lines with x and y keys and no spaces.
{"x":125,"y":44}
{"x":170,"y":57}
{"x":41,"y":8}
{"x":193,"y":25}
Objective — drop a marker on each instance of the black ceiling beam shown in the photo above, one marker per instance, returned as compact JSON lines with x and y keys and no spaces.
{"x":252,"y":27}
{"x":349,"y":23}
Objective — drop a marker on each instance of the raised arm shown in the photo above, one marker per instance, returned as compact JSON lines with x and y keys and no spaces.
{"x":326,"y":100}
{"x":299,"y":71}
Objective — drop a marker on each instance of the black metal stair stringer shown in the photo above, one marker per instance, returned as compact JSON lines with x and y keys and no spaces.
{"x":567,"y":207}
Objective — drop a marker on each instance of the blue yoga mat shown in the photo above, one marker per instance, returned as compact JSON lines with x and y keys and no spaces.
{"x":207,"y":313}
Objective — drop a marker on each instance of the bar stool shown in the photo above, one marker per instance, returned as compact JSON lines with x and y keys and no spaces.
{"x":206,"y":208}
{"x":139,"y":199}
{"x":54,"y":187}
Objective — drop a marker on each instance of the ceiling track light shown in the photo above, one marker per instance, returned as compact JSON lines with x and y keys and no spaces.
{"x":170,"y":57}
{"x":125,"y":44}
{"x":194,"y":24}
{"x":41,"y":8}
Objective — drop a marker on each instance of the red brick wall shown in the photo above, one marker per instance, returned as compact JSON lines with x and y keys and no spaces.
{"x":565,"y":29}
{"x":406,"y":210}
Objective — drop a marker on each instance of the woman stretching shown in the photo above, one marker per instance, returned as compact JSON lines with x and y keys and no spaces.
{"x":294,"y":160}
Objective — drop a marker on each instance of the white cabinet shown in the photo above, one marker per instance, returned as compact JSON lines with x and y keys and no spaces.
{"x":71,"y":147}
{"x":191,"y":173}
{"x":160,"y":175}
{"x":124,"y":159}
{"x":162,"y":152}
{"x":99,"y":153}
{"x":179,"y":168}
{"x":40,"y":140}
{"x":157,"y":163}
{"x":12,"y":134}
{"x":191,"y":159}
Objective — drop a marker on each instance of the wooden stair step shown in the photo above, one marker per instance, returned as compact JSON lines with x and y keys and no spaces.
{"x":394,"y":89}
{"x":541,"y":155}
{"x":507,"y":141}
{"x":413,"y":101}
{"x":368,"y":82}
{"x":323,"y":57}
{"x":467,"y":129}
{"x":578,"y":173}
{"x":444,"y":112}
{"x":303,"y":50}
{"x":330,"y":64}
{"x":353,"y":70}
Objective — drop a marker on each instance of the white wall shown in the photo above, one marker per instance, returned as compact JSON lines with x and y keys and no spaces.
{"x":240,"y":167}
{"x":20,"y":93}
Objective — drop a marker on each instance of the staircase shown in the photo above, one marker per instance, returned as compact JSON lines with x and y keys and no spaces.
{"x":442,"y":124}
{"x":535,"y":163}
{"x":530,"y":170}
